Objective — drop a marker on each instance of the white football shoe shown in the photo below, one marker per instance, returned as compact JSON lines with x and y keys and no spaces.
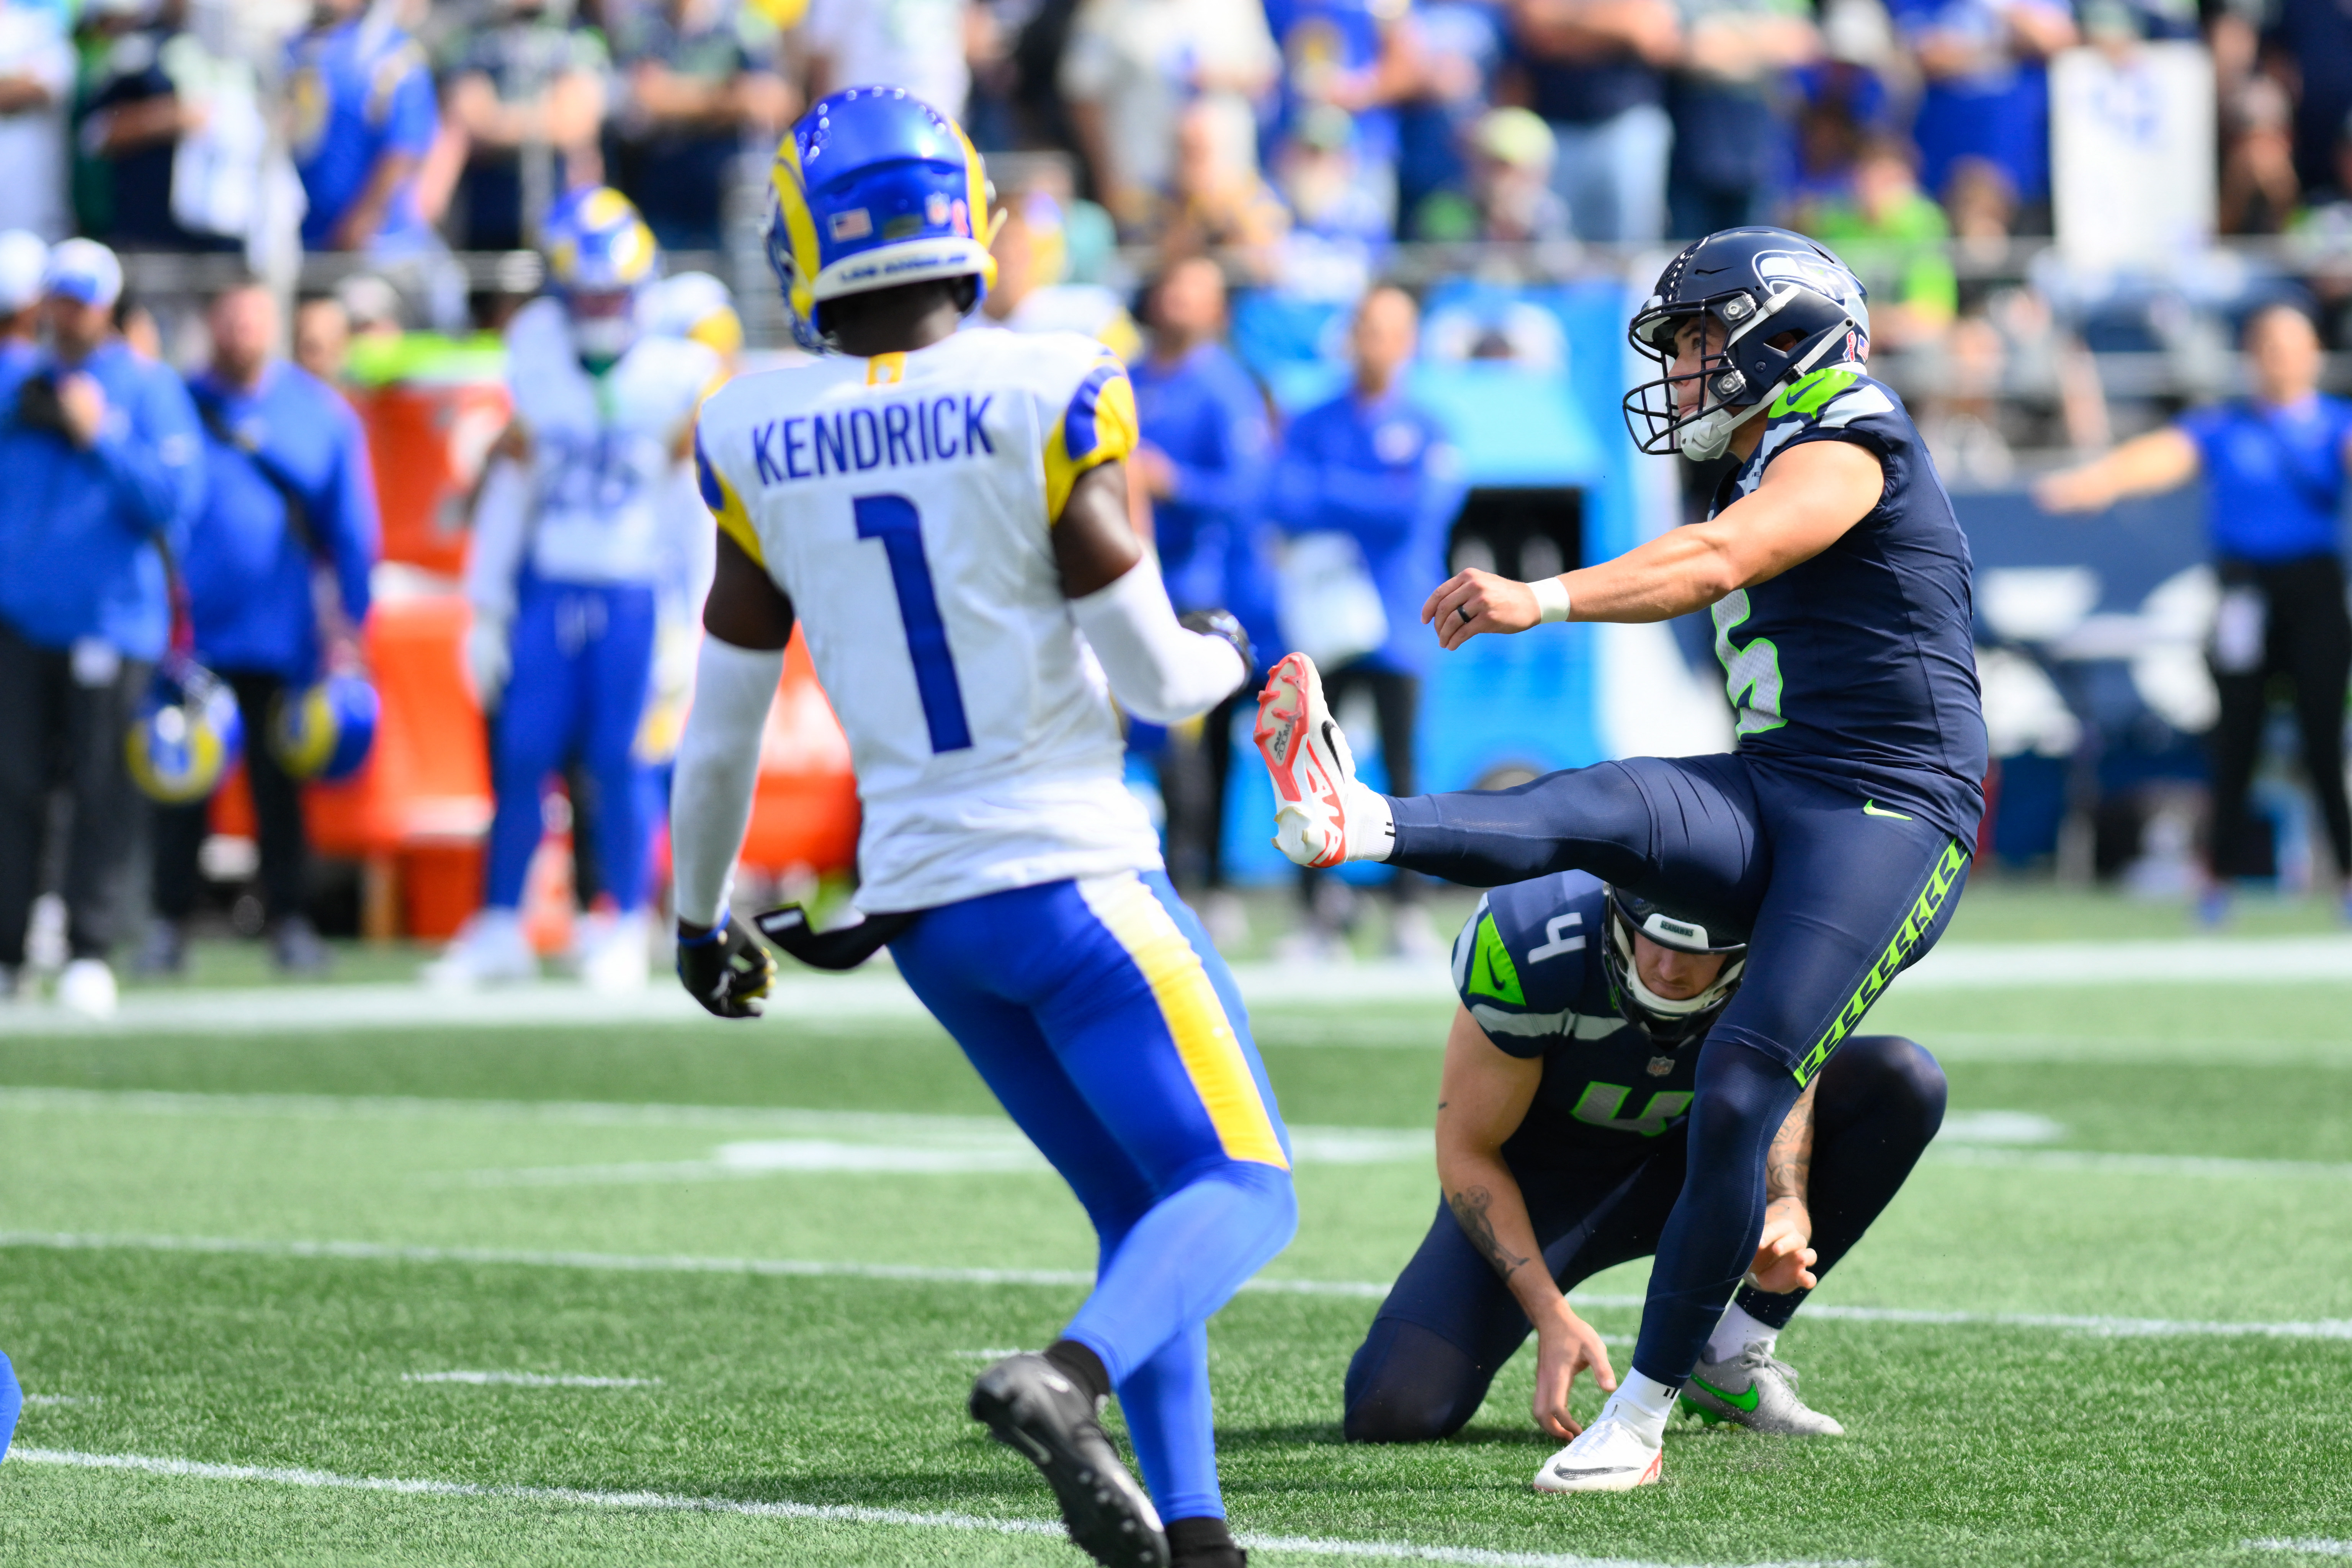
{"x":86,"y":986}
{"x":1607,"y":1456}
{"x":492,"y":950}
{"x":1322,"y":815}
{"x":614,"y":963}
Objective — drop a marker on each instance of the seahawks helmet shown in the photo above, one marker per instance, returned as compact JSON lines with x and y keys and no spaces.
{"x":325,"y":731}
{"x":874,"y":188}
{"x":1753,"y":285}
{"x":1669,"y":1024}
{"x":600,"y":258}
{"x":187,"y":735}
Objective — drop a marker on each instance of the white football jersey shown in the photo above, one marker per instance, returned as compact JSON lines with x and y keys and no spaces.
{"x":612,"y":496}
{"x":906,"y":505}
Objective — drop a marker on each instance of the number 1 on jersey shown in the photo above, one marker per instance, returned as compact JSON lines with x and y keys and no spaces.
{"x":894,"y":520}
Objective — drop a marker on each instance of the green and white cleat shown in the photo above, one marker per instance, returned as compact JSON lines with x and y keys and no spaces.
{"x":1755,"y":1390}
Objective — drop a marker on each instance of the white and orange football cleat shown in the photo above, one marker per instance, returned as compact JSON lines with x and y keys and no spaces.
{"x":1322,"y":815}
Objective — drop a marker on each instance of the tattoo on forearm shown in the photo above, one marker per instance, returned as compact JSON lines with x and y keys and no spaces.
{"x":1469,"y":1206}
{"x":1788,"y":1164}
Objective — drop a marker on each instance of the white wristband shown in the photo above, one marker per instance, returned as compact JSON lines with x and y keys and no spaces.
{"x":1551,"y":600}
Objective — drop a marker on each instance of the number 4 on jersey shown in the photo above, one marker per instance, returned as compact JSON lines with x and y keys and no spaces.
{"x":894,"y":520}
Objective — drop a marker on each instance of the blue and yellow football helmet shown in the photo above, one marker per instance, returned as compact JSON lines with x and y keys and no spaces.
{"x":874,"y":188}
{"x":325,"y":731}
{"x":188,"y":734}
{"x":600,"y":258}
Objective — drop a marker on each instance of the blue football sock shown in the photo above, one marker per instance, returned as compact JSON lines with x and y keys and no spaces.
{"x":1189,"y":1253}
{"x":12,"y":1404}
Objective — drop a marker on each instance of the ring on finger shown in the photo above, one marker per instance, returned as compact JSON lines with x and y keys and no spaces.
{"x":1463,"y":611}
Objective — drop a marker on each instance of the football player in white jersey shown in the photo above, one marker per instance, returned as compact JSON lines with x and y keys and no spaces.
{"x":586,"y":512}
{"x":944,"y":515}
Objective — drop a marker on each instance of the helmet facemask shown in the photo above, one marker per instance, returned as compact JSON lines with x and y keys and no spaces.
{"x":1671,"y":1023}
{"x":1740,"y":366}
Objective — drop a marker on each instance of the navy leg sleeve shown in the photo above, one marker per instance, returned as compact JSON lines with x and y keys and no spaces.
{"x":1880,"y":1103}
{"x":1682,"y":830}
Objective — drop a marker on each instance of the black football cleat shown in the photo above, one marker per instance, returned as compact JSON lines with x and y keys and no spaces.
{"x":1041,"y":1414}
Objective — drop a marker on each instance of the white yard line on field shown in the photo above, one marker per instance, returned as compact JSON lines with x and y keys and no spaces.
{"x":491,"y":1257}
{"x":829,"y":1513}
{"x":528,"y":1380}
{"x":2310,"y":1546}
{"x":879,"y":996}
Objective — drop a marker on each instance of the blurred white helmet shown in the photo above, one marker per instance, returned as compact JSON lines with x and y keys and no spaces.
{"x":24,"y":263}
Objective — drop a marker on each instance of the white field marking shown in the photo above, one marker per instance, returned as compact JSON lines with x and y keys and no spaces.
{"x":1998,"y":1127}
{"x":1010,"y":1154}
{"x":490,"y":1256}
{"x":830,"y":1514}
{"x":62,"y":1399}
{"x":2140,"y":1164}
{"x":998,"y":1354}
{"x":848,"y":1001}
{"x":528,"y":1380}
{"x":2190,"y":1050}
{"x":2309,"y":1545}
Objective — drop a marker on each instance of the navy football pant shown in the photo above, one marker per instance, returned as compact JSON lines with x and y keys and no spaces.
{"x":1450,"y":1323}
{"x":1109,"y":1029}
{"x":582,"y":657}
{"x":1839,"y":894}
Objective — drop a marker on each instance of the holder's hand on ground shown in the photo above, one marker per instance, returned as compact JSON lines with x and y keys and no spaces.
{"x":1565,"y":1345}
{"x":1784,"y":1259}
{"x":1472,"y":602}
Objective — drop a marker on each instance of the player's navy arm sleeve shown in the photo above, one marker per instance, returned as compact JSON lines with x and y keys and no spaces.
{"x":1160,"y":671}
{"x":718,"y":767}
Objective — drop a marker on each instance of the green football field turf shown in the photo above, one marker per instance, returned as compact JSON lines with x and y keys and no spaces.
{"x":719,"y":1293}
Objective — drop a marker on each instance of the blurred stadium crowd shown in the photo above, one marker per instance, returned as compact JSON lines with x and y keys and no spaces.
{"x":1296,"y":178}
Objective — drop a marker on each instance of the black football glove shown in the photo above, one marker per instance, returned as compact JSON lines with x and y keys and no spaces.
{"x":1221,"y":623}
{"x":725,"y":970}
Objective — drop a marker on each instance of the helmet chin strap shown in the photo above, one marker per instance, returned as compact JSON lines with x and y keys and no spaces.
{"x":1667,"y":1006}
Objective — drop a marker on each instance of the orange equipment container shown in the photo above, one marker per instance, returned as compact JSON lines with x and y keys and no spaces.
{"x":804,"y":815}
{"x":417,"y":815}
{"x":427,"y":441}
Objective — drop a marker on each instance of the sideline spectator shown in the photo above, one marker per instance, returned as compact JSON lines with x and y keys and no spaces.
{"x":105,"y":475}
{"x":2274,"y":468}
{"x":700,"y":88}
{"x":1131,"y":68}
{"x":1202,"y":462}
{"x":37,"y":77}
{"x":1373,"y":466}
{"x":24,"y":260}
{"x":1361,"y":58}
{"x":1461,"y":48}
{"x":287,"y":492}
{"x":322,"y":339}
{"x":2259,"y":187}
{"x":1033,"y":292}
{"x":2315,"y":38}
{"x":1597,"y":71}
{"x":1217,"y":200}
{"x":1987,"y":87}
{"x":1332,"y":194}
{"x":1509,"y":199}
{"x":920,"y":45}
{"x":363,"y":121}
{"x":1893,"y":236}
{"x":1729,"y":100}
{"x":524,"y":96}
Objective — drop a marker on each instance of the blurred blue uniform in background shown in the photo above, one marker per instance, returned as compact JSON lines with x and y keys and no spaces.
{"x":287,"y":488}
{"x":83,"y":610}
{"x":361,"y":92}
{"x":2275,"y":483}
{"x":1203,"y":412}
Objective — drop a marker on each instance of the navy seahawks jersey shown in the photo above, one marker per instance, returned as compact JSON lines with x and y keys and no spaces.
{"x":1529,"y":968}
{"x":1859,"y":665}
